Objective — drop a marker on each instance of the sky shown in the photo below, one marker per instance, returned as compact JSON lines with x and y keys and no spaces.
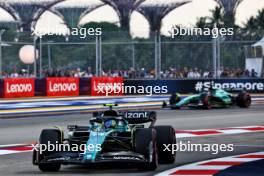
{"x":185,"y":15}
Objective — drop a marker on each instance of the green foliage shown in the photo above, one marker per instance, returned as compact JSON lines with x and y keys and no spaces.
{"x":109,"y":27}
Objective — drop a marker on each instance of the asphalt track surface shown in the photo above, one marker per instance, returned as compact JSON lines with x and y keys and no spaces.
{"x":21,"y":130}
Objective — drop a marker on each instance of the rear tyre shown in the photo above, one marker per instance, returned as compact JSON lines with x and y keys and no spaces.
{"x":206,"y":102}
{"x":164,"y":104}
{"x":145,"y":144}
{"x":52,"y":136}
{"x":174,"y":98}
{"x":243,"y":100}
{"x":165,"y":136}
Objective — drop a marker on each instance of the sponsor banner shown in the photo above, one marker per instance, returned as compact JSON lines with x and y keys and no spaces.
{"x":19,"y":87}
{"x":62,"y":86}
{"x":190,"y":86}
{"x":106,"y":86}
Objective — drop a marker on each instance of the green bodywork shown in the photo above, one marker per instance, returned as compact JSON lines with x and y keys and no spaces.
{"x":98,"y":135}
{"x":218,"y":97}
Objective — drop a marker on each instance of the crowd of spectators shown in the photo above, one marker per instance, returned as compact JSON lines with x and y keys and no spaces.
{"x":171,"y":73}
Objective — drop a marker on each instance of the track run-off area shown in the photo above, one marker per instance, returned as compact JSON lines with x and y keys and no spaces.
{"x":241,"y":127}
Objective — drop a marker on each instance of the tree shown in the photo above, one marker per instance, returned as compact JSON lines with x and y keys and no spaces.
{"x":254,"y":27}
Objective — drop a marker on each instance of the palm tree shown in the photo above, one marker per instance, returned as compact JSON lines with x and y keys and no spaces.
{"x":254,"y":27}
{"x":260,"y":19}
{"x":217,"y":17}
{"x":201,"y":22}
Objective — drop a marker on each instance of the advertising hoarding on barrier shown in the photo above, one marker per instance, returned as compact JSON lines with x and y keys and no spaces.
{"x":105,"y":86}
{"x":19,"y":87}
{"x":190,"y":86}
{"x":96,"y":86}
{"x":62,"y":86}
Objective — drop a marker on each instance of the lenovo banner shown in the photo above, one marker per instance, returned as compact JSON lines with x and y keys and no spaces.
{"x":62,"y":86}
{"x":19,"y":87}
{"x":105,"y":86}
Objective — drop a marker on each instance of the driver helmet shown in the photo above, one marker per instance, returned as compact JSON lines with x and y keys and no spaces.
{"x":110,"y":123}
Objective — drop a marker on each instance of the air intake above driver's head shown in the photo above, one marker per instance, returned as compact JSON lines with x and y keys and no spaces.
{"x":111,"y":113}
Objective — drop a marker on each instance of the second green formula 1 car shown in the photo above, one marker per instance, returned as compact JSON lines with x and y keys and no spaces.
{"x":214,"y":97}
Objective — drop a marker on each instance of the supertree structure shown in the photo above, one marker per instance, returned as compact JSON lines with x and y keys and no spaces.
{"x":8,"y":24}
{"x":156,"y":12}
{"x":27,"y":12}
{"x":229,"y":7}
{"x":71,"y":11}
{"x":124,"y":8}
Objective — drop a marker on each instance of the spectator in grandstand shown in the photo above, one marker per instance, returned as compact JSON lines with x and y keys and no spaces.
{"x":14,"y":74}
{"x":142,"y":73}
{"x":170,"y":73}
{"x":196,"y":73}
{"x":185,"y":72}
{"x":77,"y":73}
{"x":88,"y":72}
{"x":131,"y":73}
{"x":253,"y":73}
{"x":48,"y":73}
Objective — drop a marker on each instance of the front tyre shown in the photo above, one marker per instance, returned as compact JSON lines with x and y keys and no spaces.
{"x":145,"y":144}
{"x":52,"y":136}
{"x":165,"y":136}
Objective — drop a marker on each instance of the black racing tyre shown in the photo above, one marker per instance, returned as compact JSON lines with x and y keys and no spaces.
{"x":50,"y":167}
{"x":243,"y":100}
{"x":52,"y":136}
{"x":165,"y":136}
{"x":145,"y":144}
{"x":174,"y":98}
{"x":164,"y":104}
{"x":206,"y":102}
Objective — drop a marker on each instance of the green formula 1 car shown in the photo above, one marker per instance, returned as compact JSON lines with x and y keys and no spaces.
{"x":214,"y":97}
{"x":116,"y":137}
